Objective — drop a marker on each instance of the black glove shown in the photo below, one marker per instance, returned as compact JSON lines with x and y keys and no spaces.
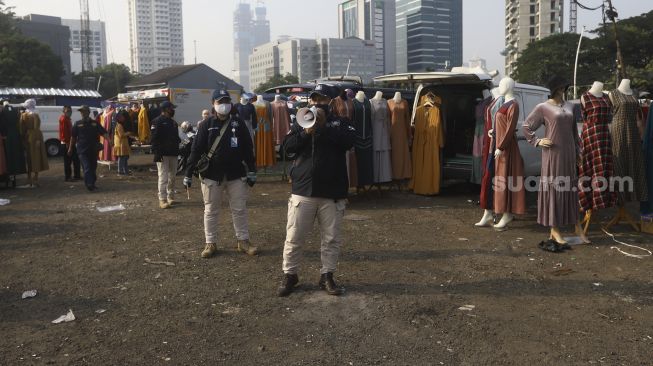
{"x":187,"y":182}
{"x":251,"y":179}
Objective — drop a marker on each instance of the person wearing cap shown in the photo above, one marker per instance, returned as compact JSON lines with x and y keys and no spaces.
{"x":231,"y":168}
{"x":319,"y":187}
{"x":84,"y":136}
{"x":65,"y":130}
{"x":164,"y":137}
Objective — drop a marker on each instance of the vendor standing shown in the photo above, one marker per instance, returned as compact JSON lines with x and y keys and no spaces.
{"x":164,"y":136}
{"x":65,"y":131}
{"x":85,"y":137}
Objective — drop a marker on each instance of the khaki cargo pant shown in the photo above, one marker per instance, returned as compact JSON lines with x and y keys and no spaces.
{"x":167,"y":169}
{"x":302,"y":212}
{"x":237,"y":194}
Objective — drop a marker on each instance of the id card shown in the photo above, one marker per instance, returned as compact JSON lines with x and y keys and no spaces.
{"x":234,"y":142}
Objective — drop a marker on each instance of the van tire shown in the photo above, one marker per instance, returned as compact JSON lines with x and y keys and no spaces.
{"x":53,"y":148}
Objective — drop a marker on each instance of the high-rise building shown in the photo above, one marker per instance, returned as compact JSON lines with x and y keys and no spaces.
{"x":528,"y":21}
{"x":98,"y":43}
{"x":429,"y":34}
{"x":373,"y":20}
{"x":49,"y":30}
{"x":156,"y":36}
{"x":310,"y":59}
{"x":251,"y":29}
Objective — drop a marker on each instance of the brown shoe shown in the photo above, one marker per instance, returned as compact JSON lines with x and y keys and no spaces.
{"x":209,"y":250}
{"x":246,"y":247}
{"x":164,"y":204}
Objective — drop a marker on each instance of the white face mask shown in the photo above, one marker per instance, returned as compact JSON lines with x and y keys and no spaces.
{"x":222,"y":109}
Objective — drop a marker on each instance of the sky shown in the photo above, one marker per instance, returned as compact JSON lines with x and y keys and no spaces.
{"x":209,"y":22}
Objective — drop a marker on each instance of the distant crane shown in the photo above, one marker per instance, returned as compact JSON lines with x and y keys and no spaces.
{"x":573,"y":16}
{"x":85,"y":36}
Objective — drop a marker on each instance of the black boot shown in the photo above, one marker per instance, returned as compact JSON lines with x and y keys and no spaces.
{"x":329,"y":285}
{"x":288,"y":284}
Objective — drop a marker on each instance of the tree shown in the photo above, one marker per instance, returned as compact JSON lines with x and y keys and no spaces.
{"x":112,"y":77}
{"x":25,"y":62}
{"x":555,"y":55}
{"x":277,"y":80}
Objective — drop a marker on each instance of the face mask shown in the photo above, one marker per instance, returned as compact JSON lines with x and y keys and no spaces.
{"x":222,"y":109}
{"x":171,"y":112}
{"x":68,"y":114}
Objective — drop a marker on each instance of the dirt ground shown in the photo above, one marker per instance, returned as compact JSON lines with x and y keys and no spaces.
{"x":410,"y":265}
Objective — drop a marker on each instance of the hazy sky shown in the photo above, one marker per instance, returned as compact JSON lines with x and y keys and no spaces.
{"x":209,"y":22}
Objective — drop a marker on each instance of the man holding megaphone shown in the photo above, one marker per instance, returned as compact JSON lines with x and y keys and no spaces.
{"x":319,"y":187}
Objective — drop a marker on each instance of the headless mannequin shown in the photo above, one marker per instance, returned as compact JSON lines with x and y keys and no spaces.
{"x":558,"y":99}
{"x":622,"y":214}
{"x":397,"y":97}
{"x":277,"y":98}
{"x":360,"y":96}
{"x":378,"y":95}
{"x":259,"y":100}
{"x":243,"y":100}
{"x":506,"y":89}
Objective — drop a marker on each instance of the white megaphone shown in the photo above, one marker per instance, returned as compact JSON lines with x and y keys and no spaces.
{"x":306,"y":117}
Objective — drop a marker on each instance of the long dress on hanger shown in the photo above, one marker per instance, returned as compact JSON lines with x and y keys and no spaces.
{"x":509,"y":190}
{"x":14,"y":150}
{"x":342,"y":108}
{"x":381,"y":141}
{"x":3,"y":160}
{"x":30,"y":131}
{"x":400,"y":135}
{"x":627,"y":146}
{"x":143,"y":125}
{"x":280,"y":121}
{"x":364,"y":150}
{"x":487,"y":190}
{"x":647,"y":207}
{"x":557,"y":200}
{"x":428,"y":141}
{"x":247,"y":113}
{"x":597,"y":164}
{"x":107,"y":121}
{"x":265,"y":153}
{"x":480,"y":133}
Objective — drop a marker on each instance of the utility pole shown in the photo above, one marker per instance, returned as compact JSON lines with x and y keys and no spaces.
{"x":621,"y":68}
{"x":195,"y":48}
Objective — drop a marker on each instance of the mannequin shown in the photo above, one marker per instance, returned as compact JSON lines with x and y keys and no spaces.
{"x":362,"y":122}
{"x":30,"y":132}
{"x":247,"y":113}
{"x":280,"y":119}
{"x":509,"y":191}
{"x":397,"y":97}
{"x":381,"y":139}
{"x":597,"y":159}
{"x":400,"y":140}
{"x":487,"y":191}
{"x":558,"y":195}
{"x":265,"y":153}
{"x":360,"y":96}
{"x":627,"y":149}
{"x":479,"y":134}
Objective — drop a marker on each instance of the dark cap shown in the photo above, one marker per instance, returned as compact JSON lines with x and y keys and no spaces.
{"x":556,"y":83}
{"x":167,"y":104}
{"x":325,"y":90}
{"x":84,"y":108}
{"x":219,"y":94}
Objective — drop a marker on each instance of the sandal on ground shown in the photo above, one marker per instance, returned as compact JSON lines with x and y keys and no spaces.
{"x":550,"y":246}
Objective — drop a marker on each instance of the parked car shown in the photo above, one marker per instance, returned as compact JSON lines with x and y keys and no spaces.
{"x":460,"y":94}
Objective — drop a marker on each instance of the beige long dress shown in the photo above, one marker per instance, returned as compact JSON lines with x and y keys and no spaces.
{"x":30,"y":131}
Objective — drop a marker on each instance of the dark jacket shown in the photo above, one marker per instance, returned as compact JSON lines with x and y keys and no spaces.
{"x":234,"y":156}
{"x":320,"y":169}
{"x":165,"y":137}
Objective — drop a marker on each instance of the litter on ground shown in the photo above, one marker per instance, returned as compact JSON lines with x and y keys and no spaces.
{"x":65,"y":318}
{"x":119,"y":207}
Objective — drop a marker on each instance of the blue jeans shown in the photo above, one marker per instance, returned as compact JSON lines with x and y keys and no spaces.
{"x":89,"y":165}
{"x":123,"y":168}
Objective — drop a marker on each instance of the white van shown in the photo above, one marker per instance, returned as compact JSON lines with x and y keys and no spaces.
{"x":460,"y":93}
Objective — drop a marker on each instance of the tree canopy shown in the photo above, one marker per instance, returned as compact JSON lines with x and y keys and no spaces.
{"x":112,"y":77}
{"x":555,"y":55}
{"x":277,"y":80}
{"x":25,"y":62}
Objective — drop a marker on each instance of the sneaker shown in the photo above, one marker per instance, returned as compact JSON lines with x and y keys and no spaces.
{"x":288,"y":284}
{"x":329,"y":285}
{"x":244,"y":246}
{"x":209,"y":250}
{"x":164,"y":204}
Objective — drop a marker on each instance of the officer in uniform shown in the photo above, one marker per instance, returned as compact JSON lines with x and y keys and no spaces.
{"x":231,"y":168}
{"x":319,"y":188}
{"x":84,"y":136}
{"x":165,"y":147}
